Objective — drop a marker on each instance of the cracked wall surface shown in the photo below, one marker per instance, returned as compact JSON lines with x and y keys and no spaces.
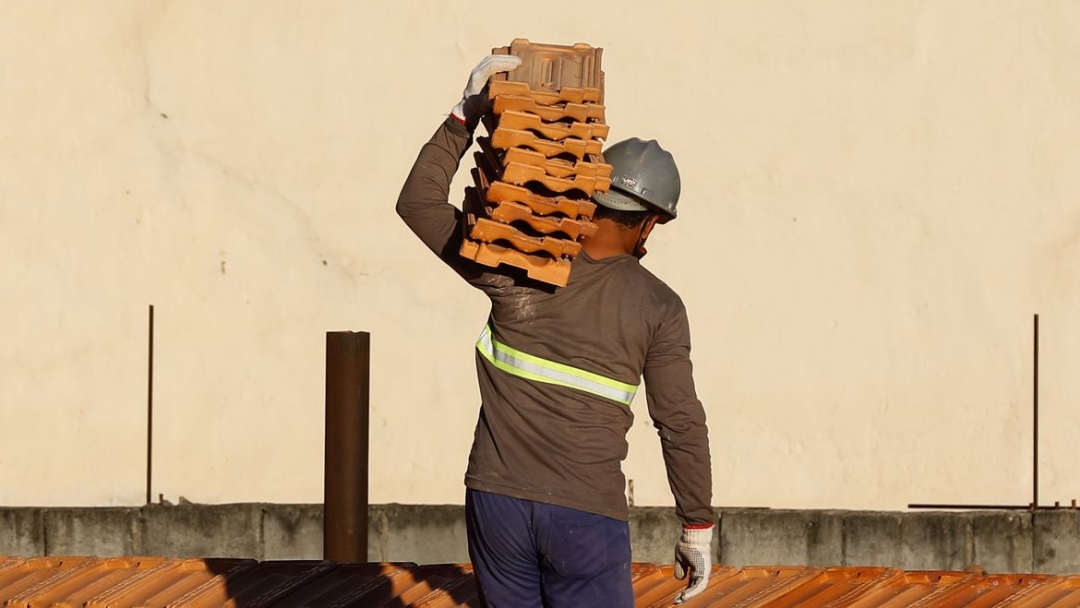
{"x":877,"y":197}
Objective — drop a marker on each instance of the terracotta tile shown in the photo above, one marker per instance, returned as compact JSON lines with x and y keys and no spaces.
{"x":489,"y":231}
{"x":754,"y":586}
{"x":556,"y":131}
{"x":557,"y":167}
{"x":350,"y":584}
{"x":504,"y":139}
{"x":261,"y":586}
{"x":84,"y":583}
{"x":554,"y":272}
{"x":581,"y":112}
{"x":23,"y":580}
{"x":1064,"y":593}
{"x":547,"y":98}
{"x":171,"y":582}
{"x":660,"y":587}
{"x":554,"y":68}
{"x":832,"y":586}
{"x":542,"y":205}
{"x":509,"y":212}
{"x":139,"y":581}
{"x":985,"y":591}
{"x":519,"y":174}
{"x":905,"y":589}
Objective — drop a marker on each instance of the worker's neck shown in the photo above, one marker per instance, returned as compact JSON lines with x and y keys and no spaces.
{"x":611,"y":239}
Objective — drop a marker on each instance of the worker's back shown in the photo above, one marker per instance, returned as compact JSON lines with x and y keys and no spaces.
{"x":556,"y":433}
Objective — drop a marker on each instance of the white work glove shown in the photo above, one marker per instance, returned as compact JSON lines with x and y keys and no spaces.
{"x":693,"y":556}
{"x":474,"y":101}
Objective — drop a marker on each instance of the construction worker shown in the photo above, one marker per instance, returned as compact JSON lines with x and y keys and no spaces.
{"x":546,"y":508}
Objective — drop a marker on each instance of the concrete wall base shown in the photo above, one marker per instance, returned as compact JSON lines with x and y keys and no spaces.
{"x":999,"y":541}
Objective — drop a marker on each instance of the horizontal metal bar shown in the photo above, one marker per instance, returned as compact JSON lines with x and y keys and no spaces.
{"x":991,"y":507}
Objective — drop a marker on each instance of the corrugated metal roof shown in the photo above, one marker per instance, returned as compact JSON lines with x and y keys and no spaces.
{"x":69,"y":582}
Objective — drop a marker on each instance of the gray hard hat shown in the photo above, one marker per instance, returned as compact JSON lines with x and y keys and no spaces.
{"x":642,"y":172}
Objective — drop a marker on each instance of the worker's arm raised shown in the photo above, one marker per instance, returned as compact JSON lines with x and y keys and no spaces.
{"x":424,"y":199}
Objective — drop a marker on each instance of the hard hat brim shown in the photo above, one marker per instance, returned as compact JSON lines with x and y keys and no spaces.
{"x":614,"y":199}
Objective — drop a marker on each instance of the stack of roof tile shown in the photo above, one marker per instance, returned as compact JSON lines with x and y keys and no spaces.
{"x":540,"y":163}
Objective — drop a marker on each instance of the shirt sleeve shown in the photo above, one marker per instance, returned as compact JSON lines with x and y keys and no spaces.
{"x":679,"y":418}
{"x":424,"y":202}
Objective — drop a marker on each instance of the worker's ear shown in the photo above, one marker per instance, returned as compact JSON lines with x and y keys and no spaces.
{"x":647,"y":225}
{"x":650,"y":223}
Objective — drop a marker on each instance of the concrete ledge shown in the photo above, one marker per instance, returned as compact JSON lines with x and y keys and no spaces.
{"x":104,"y":532}
{"x":999,"y":541}
{"x":1003,"y":541}
{"x":292,"y":531}
{"x":936,"y":541}
{"x":425,"y":534}
{"x":653,"y":533}
{"x":872,"y":539}
{"x":1056,"y":543}
{"x":202,"y":531}
{"x":22,"y":532}
{"x":764,"y":537}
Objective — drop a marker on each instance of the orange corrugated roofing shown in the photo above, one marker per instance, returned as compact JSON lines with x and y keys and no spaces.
{"x":154,"y":581}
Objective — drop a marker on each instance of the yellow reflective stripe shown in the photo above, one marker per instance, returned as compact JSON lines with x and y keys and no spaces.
{"x":534,"y":368}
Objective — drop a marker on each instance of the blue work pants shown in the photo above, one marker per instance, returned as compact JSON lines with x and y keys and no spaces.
{"x":528,"y":554}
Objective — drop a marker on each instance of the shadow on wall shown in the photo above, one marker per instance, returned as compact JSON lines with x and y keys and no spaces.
{"x":313,"y":583}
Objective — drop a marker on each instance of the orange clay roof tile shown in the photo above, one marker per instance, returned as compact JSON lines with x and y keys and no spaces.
{"x":504,"y":139}
{"x":581,"y":112}
{"x":187,"y":583}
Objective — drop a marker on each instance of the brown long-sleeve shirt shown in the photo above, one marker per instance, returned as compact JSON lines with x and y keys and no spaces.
{"x":550,"y":443}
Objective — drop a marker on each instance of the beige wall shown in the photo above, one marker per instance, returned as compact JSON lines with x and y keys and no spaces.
{"x":877,"y":197}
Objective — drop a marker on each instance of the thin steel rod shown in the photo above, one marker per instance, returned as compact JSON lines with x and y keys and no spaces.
{"x":150,"y":407}
{"x":1035,"y":424}
{"x":983,"y":507}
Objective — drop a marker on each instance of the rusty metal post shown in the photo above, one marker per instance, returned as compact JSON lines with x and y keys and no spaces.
{"x":345,"y":482}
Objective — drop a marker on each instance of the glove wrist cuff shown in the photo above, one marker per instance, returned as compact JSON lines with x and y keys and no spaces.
{"x":697,"y":536}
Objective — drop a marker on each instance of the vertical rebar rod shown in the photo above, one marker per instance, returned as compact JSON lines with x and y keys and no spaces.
{"x":150,"y":407}
{"x":1035,"y":422}
{"x":345,"y":482}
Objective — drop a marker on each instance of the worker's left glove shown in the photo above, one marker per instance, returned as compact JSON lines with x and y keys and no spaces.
{"x":693,"y":557}
{"x":474,"y":100}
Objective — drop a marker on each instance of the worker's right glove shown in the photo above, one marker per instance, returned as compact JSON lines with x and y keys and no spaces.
{"x":474,"y":100}
{"x":693,"y":557}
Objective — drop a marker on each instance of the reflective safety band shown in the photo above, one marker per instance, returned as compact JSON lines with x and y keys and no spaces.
{"x":529,"y":367}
